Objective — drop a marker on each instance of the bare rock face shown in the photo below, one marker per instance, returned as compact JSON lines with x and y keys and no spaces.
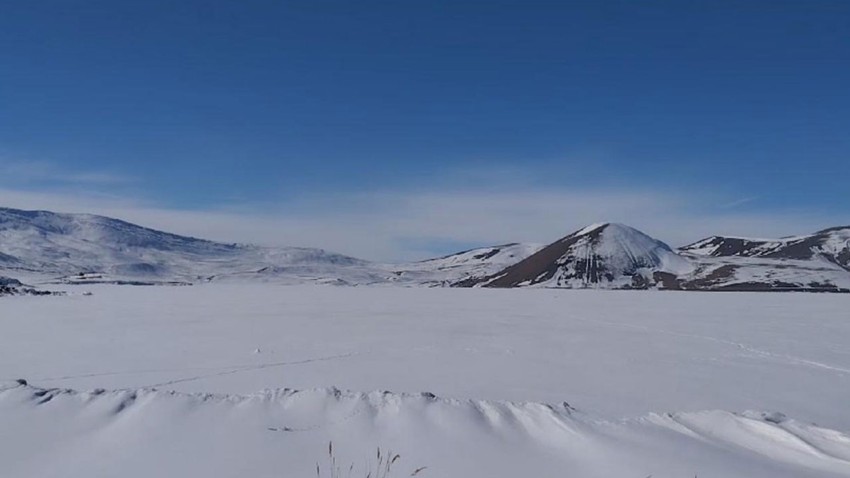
{"x":10,"y":286}
{"x":6,"y":290}
{"x":8,"y":281}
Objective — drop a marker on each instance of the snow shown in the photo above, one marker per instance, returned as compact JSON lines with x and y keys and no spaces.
{"x":830,"y":241}
{"x":480,"y":262}
{"x":801,"y":273}
{"x":703,"y":247}
{"x":227,"y":380}
{"x":590,"y":228}
{"x":618,"y":253}
{"x":52,"y":247}
{"x":836,"y":241}
{"x":44,"y":248}
{"x":624,"y":245}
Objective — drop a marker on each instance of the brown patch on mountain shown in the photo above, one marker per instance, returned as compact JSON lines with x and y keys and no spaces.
{"x":595,"y":257}
{"x":667,"y":280}
{"x":833,"y":229}
{"x":714,"y":278}
{"x":542,"y":265}
{"x":486,"y":255}
{"x":727,"y":246}
{"x":843,"y":258}
{"x":804,"y":248}
{"x":778,"y":286}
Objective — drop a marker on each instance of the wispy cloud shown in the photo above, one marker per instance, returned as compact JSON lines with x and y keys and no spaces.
{"x":738,"y":202}
{"x":23,"y":173}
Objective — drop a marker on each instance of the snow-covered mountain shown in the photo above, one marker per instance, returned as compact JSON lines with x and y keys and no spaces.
{"x":620,"y":257}
{"x":605,"y":255}
{"x":463,"y":266}
{"x":84,"y":248}
{"x":832,"y":245}
{"x":63,"y":243}
{"x":819,"y":261}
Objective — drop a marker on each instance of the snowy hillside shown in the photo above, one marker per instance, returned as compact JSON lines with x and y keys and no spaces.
{"x":765,"y":274}
{"x":84,"y":248}
{"x":71,"y":244}
{"x":819,"y":261}
{"x":606,"y":255}
{"x":466,"y":265}
{"x":54,"y":242}
{"x":832,"y":245}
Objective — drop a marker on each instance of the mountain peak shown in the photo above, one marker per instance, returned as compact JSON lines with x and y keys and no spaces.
{"x":606,"y":253}
{"x":591,"y":228}
{"x":599,"y":227}
{"x":834,"y":229}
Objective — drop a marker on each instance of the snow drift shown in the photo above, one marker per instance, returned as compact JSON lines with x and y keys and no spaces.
{"x":148,"y":432}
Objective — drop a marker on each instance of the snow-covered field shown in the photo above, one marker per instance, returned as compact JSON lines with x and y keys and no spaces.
{"x":189,"y":382}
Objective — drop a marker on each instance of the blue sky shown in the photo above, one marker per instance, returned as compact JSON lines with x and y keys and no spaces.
{"x":288,"y":122}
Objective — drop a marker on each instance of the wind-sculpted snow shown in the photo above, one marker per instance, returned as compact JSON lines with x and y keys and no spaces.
{"x":149,"y":432}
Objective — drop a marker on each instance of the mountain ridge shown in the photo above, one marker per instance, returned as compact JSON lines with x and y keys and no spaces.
{"x":831,"y":244}
{"x":86,"y":248}
{"x":630,"y":259}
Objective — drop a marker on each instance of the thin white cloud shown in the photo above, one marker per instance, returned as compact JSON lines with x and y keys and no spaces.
{"x":738,"y":202}
{"x":379,"y":225}
{"x":22,"y":173}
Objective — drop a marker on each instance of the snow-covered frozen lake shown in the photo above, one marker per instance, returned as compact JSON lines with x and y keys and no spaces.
{"x":661,"y":383}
